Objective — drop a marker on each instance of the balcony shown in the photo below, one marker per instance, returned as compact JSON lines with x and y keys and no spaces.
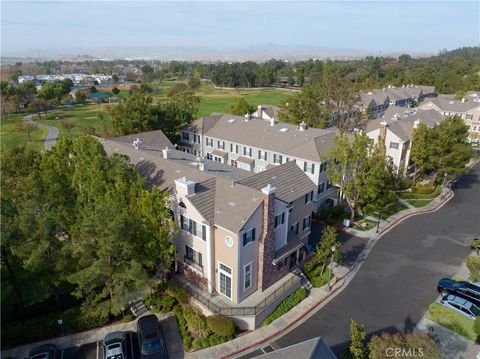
{"x":193,"y":264}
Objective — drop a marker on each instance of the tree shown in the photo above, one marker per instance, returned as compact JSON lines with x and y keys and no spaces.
{"x":136,"y":113}
{"x":55,"y":90}
{"x":241,"y":107}
{"x":80,"y":97}
{"x":194,"y":82}
{"x":383,"y":346}
{"x":27,"y":128}
{"x":179,"y":111}
{"x":115,"y":78}
{"x":357,"y":348}
{"x":115,"y":91}
{"x":323,"y":252}
{"x":359,"y":169}
{"x":422,"y":153}
{"x":303,"y":106}
{"x":67,"y":125}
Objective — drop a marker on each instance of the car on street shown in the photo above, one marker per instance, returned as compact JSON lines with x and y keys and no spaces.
{"x":461,"y":306}
{"x":462,"y":289}
{"x":114,"y":346}
{"x":45,"y":351}
{"x":151,"y":339}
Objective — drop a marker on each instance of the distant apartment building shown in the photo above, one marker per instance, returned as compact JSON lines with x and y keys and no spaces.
{"x":396,"y":129}
{"x":376,"y":102}
{"x":240,"y":233}
{"x":257,"y":144}
{"x":468,"y":109}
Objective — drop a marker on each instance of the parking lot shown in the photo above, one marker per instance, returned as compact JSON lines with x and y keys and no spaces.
{"x":95,"y":350}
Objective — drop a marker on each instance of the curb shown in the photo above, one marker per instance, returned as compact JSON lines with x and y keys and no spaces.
{"x":303,"y":315}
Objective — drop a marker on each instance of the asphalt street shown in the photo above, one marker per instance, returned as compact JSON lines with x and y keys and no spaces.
{"x":395,"y":285}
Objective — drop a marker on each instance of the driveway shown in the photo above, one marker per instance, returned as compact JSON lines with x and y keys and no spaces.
{"x":395,"y":285}
{"x":52,"y":135}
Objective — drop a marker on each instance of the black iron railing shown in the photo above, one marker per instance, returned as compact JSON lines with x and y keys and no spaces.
{"x":243,"y":311}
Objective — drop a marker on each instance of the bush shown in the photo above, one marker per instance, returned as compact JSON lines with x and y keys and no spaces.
{"x":182,"y":326}
{"x":166,"y":304}
{"x":221,"y":326}
{"x":287,"y":304}
{"x":423,"y":189}
{"x":476,"y":327}
{"x":332,"y":215}
{"x":176,"y":292}
{"x":195,"y":320}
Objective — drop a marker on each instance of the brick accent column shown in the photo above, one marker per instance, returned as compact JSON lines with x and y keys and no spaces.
{"x":266,"y":248}
{"x":383,"y":131}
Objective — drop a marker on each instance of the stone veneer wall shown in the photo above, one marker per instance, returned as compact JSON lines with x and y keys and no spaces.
{"x":267,"y":272}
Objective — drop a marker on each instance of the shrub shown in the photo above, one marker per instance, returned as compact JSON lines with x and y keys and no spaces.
{"x":332,"y":214}
{"x":287,"y":304}
{"x":196,"y":343}
{"x":423,"y":189}
{"x":182,"y":325}
{"x":204,"y":342}
{"x":195,"y":320}
{"x":476,"y":327}
{"x":166,"y":304}
{"x":220,"y":325}
{"x":176,"y":292}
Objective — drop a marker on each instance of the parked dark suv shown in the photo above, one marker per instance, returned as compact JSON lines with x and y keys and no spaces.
{"x":151,"y":339}
{"x":462,"y":289}
{"x":45,"y":351}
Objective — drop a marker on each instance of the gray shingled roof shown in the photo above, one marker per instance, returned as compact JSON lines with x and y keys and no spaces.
{"x":203,"y":124}
{"x":153,"y":139}
{"x":315,"y":348}
{"x":289,"y":179}
{"x":451,"y":105}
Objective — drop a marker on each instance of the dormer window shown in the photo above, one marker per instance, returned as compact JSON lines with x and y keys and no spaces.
{"x":181,"y":204}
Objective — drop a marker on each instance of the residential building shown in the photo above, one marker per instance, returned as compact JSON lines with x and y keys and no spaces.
{"x":377,"y":101}
{"x":468,"y":109}
{"x":396,"y":129}
{"x":266,"y":112}
{"x":240,"y":233}
{"x":258,"y":144}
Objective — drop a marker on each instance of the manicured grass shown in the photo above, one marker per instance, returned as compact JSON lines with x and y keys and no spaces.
{"x":419,"y":202}
{"x":452,"y":320}
{"x":82,"y":116}
{"x":415,"y":195}
{"x":10,"y":136}
{"x":392,"y":209}
{"x":364,"y":225}
{"x":288,"y":303}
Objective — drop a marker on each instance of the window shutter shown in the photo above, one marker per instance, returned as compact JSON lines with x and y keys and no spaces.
{"x":244,"y":238}
{"x":199,"y":258}
{"x":313,"y":167}
{"x":253,"y":234}
{"x":204,"y":233}
{"x":190,"y":226}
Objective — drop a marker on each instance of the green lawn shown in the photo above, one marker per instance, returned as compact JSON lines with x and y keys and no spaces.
{"x":388,"y":210}
{"x":10,"y":136}
{"x":419,"y":202}
{"x":364,"y":225}
{"x":82,"y":116}
{"x":452,"y":320}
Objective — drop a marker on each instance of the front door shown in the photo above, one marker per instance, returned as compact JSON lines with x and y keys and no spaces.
{"x":225,"y":279}
{"x":293,"y":259}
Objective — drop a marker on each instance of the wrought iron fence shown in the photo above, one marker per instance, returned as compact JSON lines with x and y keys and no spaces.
{"x":243,"y":311}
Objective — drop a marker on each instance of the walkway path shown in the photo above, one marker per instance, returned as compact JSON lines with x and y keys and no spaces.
{"x":52,"y":135}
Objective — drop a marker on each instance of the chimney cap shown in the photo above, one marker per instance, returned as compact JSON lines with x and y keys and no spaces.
{"x":269,"y":190}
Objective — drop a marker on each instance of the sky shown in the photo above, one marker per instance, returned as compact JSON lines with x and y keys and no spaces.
{"x":374,"y":26}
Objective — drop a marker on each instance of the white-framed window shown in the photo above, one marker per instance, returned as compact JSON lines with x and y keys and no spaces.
{"x":193,"y":258}
{"x":233,"y":148}
{"x":197,"y":229}
{"x":307,"y":222}
{"x":262,"y":155}
{"x":225,"y":280}
{"x":280,"y":219}
{"x":309,"y":197}
{"x":277,"y":158}
{"x":308,"y":167}
{"x":221,"y":145}
{"x":186,"y":136}
{"x":247,"y":151}
{"x":394,"y":145}
{"x":209,"y":142}
{"x":294,"y":228}
{"x":248,"y":237}
{"x":247,"y":276}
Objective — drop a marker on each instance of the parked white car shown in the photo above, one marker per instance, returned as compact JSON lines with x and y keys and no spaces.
{"x":461,"y":306}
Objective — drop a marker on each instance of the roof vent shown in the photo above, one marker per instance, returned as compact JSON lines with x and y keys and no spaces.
{"x":246,"y":117}
{"x":272,"y":122}
{"x":284,"y":129}
{"x":416,"y":123}
{"x":167,"y":153}
{"x":232,"y":120}
{"x":303,"y":126}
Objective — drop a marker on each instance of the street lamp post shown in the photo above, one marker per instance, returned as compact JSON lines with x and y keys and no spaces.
{"x":379,"y":213}
{"x":60,"y":323}
{"x":333,"y":249}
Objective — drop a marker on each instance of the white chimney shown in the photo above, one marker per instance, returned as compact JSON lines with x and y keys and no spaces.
{"x":203,"y":166}
{"x":463,"y":99}
{"x":269,"y":189}
{"x":246,"y":117}
{"x":166,"y":153}
{"x":416,"y":123}
{"x":185,"y":187}
{"x":138,"y":144}
{"x":384,"y":123}
{"x":272,"y":122}
{"x":303,"y":126}
{"x":259,"y":111}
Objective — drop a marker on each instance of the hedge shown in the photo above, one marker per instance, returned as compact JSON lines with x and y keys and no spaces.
{"x":182,"y":326}
{"x":221,"y":326}
{"x":287,"y":304}
{"x":46,"y":326}
{"x":176,"y":292}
